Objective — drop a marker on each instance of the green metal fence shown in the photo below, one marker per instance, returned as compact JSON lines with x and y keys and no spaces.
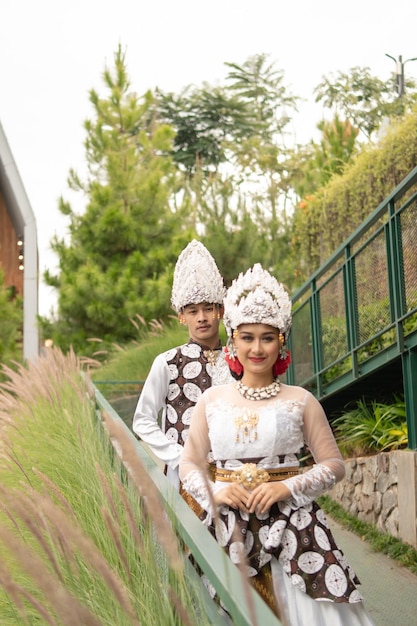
{"x":358,"y":312}
{"x":122,"y":395}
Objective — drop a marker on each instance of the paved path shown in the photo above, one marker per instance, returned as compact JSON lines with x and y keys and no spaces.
{"x":389,"y":590}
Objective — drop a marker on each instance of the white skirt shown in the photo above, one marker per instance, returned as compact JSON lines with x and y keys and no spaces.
{"x":298,"y":609}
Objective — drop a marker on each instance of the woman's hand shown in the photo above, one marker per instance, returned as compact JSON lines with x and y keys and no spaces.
{"x":265,"y":495}
{"x":234,"y":495}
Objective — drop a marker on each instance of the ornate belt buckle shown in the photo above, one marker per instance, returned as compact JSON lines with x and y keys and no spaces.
{"x":250,"y":476}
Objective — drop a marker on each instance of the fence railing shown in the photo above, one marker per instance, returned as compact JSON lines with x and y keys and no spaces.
{"x":358,"y":311}
{"x":242,"y":602}
{"x":122,"y":395}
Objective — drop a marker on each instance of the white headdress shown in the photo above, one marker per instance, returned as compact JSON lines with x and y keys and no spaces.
{"x":196,"y":278}
{"x":256,"y":297}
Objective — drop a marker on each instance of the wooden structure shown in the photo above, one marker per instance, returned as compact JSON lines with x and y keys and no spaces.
{"x":18,"y":245}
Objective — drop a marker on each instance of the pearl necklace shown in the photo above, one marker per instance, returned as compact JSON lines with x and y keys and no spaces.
{"x":259,"y":393}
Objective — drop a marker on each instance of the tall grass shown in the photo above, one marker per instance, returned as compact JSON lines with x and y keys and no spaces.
{"x":77,"y":547}
{"x":133,"y":361}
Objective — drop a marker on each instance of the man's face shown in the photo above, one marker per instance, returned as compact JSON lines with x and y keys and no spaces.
{"x":203,"y":322}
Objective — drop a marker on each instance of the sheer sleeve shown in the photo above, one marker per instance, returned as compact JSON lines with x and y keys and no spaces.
{"x":193,"y":465}
{"x":329,"y":466}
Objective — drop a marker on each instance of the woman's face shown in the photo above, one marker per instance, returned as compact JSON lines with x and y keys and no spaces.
{"x":257,"y":347}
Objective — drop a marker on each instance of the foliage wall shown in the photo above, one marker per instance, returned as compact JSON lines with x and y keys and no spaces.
{"x":323,"y":221}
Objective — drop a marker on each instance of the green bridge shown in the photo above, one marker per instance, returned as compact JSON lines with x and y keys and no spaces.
{"x":355,"y":319}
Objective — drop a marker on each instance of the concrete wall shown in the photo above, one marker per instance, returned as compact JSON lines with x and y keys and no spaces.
{"x":382,"y":490}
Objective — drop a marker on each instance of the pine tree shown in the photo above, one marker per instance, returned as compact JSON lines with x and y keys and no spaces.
{"x":119,"y":260}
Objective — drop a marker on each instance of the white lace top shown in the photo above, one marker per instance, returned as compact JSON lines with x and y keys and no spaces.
{"x":277,"y":430}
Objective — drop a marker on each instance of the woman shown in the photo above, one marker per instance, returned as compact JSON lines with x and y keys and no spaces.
{"x":259,"y":506}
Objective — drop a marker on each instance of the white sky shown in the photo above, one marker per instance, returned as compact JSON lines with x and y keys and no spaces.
{"x":52,"y":52}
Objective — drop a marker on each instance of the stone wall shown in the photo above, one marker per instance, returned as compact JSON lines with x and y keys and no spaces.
{"x":381,"y":490}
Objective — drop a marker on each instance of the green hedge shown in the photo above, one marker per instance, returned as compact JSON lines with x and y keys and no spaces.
{"x":324,"y":220}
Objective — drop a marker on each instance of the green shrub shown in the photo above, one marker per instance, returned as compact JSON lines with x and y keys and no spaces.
{"x":348,"y":199}
{"x":372,"y":427}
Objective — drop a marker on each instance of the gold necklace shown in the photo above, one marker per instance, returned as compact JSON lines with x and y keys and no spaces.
{"x":211,"y":356}
{"x":245,"y":424}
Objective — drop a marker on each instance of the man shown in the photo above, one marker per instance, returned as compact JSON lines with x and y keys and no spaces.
{"x":179,"y":376}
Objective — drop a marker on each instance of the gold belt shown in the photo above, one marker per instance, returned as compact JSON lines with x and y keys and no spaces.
{"x":250,"y":475}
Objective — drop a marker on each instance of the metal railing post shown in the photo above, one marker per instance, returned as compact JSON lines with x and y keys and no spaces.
{"x":409,"y":363}
{"x":349,"y":285}
{"x":316,"y":336}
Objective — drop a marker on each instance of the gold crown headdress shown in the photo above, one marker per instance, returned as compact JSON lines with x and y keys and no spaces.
{"x":256,"y":297}
{"x":196,"y":278}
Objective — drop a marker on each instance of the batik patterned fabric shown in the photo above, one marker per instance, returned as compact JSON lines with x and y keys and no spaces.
{"x":301,"y":541}
{"x":191,"y":374}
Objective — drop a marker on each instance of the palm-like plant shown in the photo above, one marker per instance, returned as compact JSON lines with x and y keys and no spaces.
{"x":372,"y":427}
